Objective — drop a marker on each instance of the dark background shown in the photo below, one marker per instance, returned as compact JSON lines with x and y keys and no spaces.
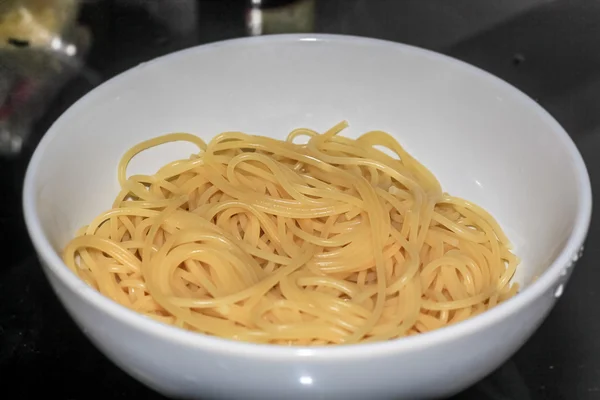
{"x":549,"y":49}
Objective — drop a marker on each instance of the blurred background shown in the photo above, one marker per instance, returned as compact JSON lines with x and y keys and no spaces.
{"x":52,"y":52}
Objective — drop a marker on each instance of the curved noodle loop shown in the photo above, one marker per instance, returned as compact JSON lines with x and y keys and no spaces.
{"x":269,"y":241}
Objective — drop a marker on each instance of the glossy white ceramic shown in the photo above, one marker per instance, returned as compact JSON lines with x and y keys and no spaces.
{"x":484,"y":140}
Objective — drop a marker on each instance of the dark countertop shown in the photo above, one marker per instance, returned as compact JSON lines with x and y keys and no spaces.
{"x":548,"y":49}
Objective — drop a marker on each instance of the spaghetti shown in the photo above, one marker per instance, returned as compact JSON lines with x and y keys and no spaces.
{"x":328,"y":242}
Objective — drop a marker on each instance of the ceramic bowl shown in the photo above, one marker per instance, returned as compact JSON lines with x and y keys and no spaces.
{"x":482,"y":138}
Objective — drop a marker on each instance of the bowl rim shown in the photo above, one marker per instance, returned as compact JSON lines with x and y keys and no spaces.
{"x":198,"y":341}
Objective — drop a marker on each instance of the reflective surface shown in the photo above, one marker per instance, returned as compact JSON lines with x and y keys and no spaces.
{"x":546,"y":48}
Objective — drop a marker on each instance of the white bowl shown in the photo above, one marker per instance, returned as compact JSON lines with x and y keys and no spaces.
{"x":482,"y":138}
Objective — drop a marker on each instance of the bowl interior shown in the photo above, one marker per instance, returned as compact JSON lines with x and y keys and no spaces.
{"x":483,"y":140}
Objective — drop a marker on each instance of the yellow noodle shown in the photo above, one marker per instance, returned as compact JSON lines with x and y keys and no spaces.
{"x":270,"y":241}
